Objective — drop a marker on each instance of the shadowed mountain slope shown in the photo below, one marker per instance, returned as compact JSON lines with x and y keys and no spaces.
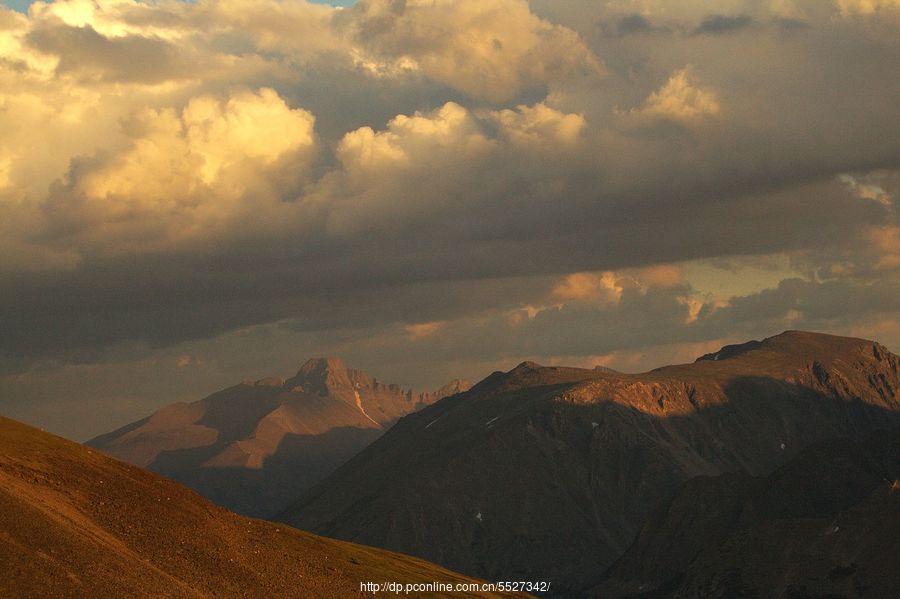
{"x":256,"y":446}
{"x":550,"y":472}
{"x":827,"y":524}
{"x":76,"y":523}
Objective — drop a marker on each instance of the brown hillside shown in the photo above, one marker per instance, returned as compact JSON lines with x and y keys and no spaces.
{"x":76,"y":523}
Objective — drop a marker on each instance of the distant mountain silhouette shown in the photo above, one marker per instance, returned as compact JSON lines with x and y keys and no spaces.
{"x":550,"y":473}
{"x":76,"y":523}
{"x":256,"y":446}
{"x":826,"y":524}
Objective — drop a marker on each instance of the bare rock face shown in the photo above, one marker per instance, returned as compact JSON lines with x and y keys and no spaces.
{"x":549,"y":473}
{"x":826,"y":524}
{"x":256,"y":446}
{"x":77,"y":523}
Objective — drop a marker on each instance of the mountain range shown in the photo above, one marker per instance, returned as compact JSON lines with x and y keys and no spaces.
{"x":551,"y":472}
{"x":768,"y":468}
{"x":256,"y":446}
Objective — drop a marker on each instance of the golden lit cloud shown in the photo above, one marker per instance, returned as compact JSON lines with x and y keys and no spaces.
{"x":427,"y":162}
{"x":424,"y":329}
{"x":660,"y":275}
{"x":539,"y":125}
{"x":186,"y":173}
{"x":866,"y":191}
{"x":608,"y":287}
{"x":680,"y":100}
{"x":365,"y":152}
{"x":866,"y":7}
{"x":886,"y":243}
{"x":589,"y":287}
{"x":490,"y":49}
{"x":5,"y":164}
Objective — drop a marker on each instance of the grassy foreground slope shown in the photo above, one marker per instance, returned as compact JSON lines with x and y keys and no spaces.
{"x":77,"y":523}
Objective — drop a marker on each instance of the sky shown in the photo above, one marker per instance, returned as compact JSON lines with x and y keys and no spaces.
{"x":193,"y":194}
{"x":19,"y":5}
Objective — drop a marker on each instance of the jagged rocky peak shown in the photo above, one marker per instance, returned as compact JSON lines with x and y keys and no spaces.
{"x":453,"y":387}
{"x":322,"y":366}
{"x":321,"y":375}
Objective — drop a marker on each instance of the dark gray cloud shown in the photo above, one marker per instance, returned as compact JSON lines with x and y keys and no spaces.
{"x":632,"y":24}
{"x":791,"y":24}
{"x":88,"y":55}
{"x":414,"y":274}
{"x":722,"y":24}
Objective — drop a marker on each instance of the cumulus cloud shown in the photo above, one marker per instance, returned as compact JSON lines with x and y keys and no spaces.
{"x":539,"y":125}
{"x":491,"y":49}
{"x":423,"y":165}
{"x":450,"y":128}
{"x":681,"y":100}
{"x":187,"y":173}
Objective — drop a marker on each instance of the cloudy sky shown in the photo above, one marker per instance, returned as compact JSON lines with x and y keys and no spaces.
{"x":192,"y":194}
